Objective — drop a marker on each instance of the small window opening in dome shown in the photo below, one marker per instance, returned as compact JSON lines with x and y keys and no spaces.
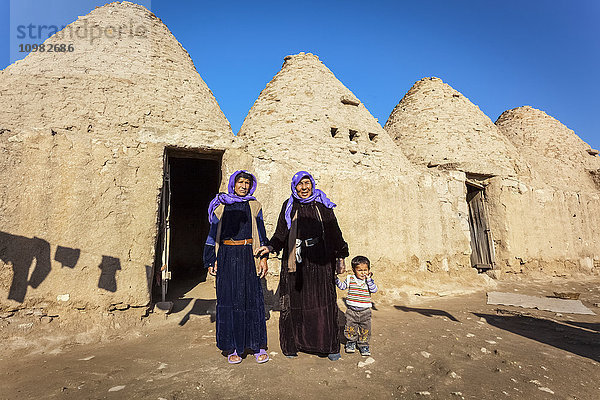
{"x":372,"y":136}
{"x":334,"y":132}
{"x":352,"y":134}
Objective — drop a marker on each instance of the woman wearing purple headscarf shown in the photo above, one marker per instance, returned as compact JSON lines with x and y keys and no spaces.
{"x":236,"y":232}
{"x":312,"y":244}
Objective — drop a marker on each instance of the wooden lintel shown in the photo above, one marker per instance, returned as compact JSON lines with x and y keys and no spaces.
{"x":476,"y":184}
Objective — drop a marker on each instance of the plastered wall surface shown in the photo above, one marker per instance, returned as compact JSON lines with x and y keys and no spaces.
{"x":83,"y":135}
{"x":82,"y":141}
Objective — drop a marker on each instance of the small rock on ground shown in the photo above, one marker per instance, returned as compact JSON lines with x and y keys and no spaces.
{"x":368,"y":361}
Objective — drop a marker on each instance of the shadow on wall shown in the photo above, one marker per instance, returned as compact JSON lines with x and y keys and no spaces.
{"x":108,"y":277}
{"x":21,"y":252}
{"x":26,"y":253}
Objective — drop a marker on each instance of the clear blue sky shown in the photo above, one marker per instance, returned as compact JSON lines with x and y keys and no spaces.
{"x":500,"y":54}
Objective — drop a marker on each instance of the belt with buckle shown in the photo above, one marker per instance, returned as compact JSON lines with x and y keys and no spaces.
{"x":231,"y":242}
{"x":310,"y":242}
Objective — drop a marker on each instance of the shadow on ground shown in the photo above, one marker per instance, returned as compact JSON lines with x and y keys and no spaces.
{"x":200,"y":307}
{"x":428,"y":312}
{"x":582,"y":341}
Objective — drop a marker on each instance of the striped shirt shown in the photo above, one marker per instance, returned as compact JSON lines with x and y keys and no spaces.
{"x":359,"y":291}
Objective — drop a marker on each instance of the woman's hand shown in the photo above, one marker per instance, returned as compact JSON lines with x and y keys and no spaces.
{"x":263,"y":268}
{"x":213,"y":270}
{"x":263,"y":250}
{"x":340,"y":266}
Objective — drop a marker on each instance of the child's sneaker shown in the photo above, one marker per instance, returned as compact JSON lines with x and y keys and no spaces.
{"x":350,"y":347}
{"x":364,"y":350}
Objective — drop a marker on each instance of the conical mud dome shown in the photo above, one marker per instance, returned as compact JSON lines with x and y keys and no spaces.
{"x":125,"y":69}
{"x":555,"y":152}
{"x":87,"y":137}
{"x":306,"y":115}
{"x":388,"y":208}
{"x":436,"y":125}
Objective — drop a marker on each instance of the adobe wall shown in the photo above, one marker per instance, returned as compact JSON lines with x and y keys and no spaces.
{"x":548,"y":224}
{"x":544,"y":230}
{"x":414,"y":229}
{"x":540,"y":195}
{"x":82,"y":167}
{"x":412,"y":222}
{"x":78,"y":217}
{"x":82,"y":139}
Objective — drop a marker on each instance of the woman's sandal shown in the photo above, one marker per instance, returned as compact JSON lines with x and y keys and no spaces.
{"x":231,"y":361}
{"x":262,"y":353}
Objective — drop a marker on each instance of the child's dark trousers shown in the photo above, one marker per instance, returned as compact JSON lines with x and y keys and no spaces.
{"x":358,"y":325}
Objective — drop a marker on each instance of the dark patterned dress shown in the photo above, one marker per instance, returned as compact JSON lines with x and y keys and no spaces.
{"x":240,"y":305}
{"x":308,"y":320}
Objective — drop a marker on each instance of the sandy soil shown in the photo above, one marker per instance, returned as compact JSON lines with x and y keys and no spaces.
{"x":433,"y":348}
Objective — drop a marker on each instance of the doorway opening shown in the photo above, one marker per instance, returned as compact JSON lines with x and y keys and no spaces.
{"x":482,"y":247}
{"x":190,"y":181}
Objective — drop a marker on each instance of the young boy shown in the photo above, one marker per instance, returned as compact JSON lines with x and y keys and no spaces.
{"x":358,"y":315}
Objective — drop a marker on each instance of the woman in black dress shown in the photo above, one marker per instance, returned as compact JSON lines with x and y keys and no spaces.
{"x":312,"y":243}
{"x":236,"y":230}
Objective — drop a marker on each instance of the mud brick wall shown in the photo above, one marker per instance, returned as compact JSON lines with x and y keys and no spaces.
{"x":388,"y":209}
{"x":82,"y":139}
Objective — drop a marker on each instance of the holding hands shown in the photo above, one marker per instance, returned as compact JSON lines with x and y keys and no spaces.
{"x":213,"y":270}
{"x":262,"y":252}
{"x":340,"y":266}
{"x":263,"y":268}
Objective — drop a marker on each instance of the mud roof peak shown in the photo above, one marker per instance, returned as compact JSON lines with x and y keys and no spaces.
{"x":556,"y":153}
{"x":435,"y":124}
{"x":302,"y":57}
{"x":125,"y":68}
{"x":305,"y":112}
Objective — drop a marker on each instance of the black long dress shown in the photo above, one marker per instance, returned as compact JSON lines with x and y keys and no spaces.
{"x":308,"y":320}
{"x":240,"y":304}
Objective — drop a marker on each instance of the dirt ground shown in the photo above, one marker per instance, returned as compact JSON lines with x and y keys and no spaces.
{"x":451,"y":347}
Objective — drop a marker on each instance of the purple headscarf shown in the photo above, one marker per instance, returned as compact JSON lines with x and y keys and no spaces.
{"x":317,"y":195}
{"x":231,"y":197}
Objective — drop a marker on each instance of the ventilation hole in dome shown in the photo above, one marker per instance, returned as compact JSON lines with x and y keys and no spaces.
{"x":334,"y":132}
{"x":352,"y":134}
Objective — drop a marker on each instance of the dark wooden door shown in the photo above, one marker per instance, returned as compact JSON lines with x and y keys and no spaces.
{"x":482,"y":252}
